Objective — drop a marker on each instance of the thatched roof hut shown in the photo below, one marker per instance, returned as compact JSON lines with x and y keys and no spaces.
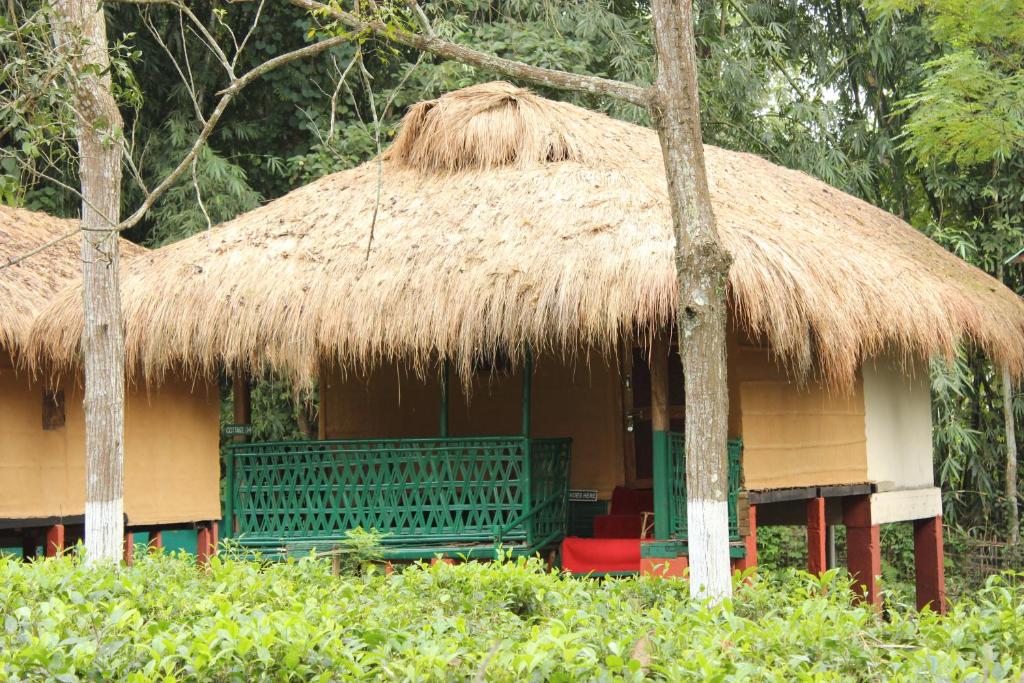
{"x":28,"y":285}
{"x":505,"y":218}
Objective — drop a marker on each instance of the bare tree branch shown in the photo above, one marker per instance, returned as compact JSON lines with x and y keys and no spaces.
{"x":209,"y":40}
{"x":226,"y":96}
{"x":148,"y":23}
{"x":421,"y":17}
{"x":248,"y":34}
{"x":552,"y":78}
{"x":376,"y":136}
{"x":13,"y":261}
{"x":199,"y":194}
{"x":337,"y":89}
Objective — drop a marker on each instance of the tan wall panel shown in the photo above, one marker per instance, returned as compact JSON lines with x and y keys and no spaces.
{"x":172,"y":453}
{"x":37,"y":479}
{"x":172,"y":465}
{"x":801,"y":436}
{"x":580,"y":402}
{"x":792,"y":435}
{"x":583,"y":402}
{"x":385,"y":402}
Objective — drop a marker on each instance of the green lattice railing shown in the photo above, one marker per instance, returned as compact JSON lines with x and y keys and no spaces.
{"x":677,"y":466}
{"x":426,"y":495}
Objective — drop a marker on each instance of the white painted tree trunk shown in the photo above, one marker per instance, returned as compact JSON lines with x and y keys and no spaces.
{"x":702,"y":268}
{"x":80,"y":32}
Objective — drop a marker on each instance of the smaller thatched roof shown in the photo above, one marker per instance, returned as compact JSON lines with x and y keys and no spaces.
{"x":507,"y":219}
{"x":29,"y":285}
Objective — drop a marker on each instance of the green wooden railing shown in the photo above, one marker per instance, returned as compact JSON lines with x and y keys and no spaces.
{"x":677,"y":493}
{"x":455,"y":495}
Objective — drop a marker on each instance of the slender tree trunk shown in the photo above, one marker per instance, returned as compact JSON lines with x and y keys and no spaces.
{"x":80,"y":32}
{"x":702,"y":268}
{"x":1013,"y":515}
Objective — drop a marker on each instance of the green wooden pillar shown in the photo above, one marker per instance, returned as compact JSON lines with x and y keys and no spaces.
{"x":662,"y":485}
{"x":444,"y":399}
{"x":229,"y":492}
{"x":242,"y":395}
{"x":662,"y":469}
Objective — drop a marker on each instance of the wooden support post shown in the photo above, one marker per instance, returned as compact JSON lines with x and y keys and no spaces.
{"x":443,"y":426}
{"x":54,"y":540}
{"x":929,"y":573}
{"x":749,"y":558}
{"x":129,"y":548}
{"x":662,"y":471}
{"x":323,"y":396}
{"x":29,"y":545}
{"x":863,"y":548}
{"x":156,"y":540}
{"x":527,"y":390}
{"x":817,"y":536}
{"x":203,"y":545}
{"x":242,"y":395}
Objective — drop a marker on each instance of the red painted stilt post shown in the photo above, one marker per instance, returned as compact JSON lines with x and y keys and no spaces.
{"x":54,"y":540}
{"x":203,"y":546}
{"x":214,"y":537}
{"x":751,"y":540}
{"x":156,"y":540}
{"x":817,"y":536}
{"x":749,"y":558}
{"x":863,"y":548}
{"x":929,"y":573}
{"x":129,"y":548}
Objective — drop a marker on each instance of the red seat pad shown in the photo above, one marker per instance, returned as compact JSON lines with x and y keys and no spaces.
{"x":618,"y":526}
{"x":627,"y":501}
{"x":600,"y":555}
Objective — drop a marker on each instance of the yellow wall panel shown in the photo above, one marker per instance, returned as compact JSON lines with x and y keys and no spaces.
{"x":172,"y":462}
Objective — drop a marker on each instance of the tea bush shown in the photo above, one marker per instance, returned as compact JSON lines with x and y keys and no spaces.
{"x":163,"y":619}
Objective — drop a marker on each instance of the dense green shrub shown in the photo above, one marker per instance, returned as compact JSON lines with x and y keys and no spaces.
{"x":163,"y":619}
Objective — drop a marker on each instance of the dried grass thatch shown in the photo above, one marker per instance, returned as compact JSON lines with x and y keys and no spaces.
{"x":506,"y":219}
{"x":26,"y":287}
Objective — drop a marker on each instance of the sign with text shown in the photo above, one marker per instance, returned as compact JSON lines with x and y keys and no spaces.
{"x":238,"y":430}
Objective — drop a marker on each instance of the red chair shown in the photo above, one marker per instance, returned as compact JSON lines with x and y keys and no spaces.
{"x":615,"y":547}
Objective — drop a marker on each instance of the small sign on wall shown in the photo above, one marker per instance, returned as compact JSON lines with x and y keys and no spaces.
{"x":53,"y":409}
{"x":237,"y":430}
{"x":582,"y":495}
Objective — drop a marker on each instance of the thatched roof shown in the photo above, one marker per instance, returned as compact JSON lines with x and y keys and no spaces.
{"x":505,"y":218}
{"x":29,"y":285}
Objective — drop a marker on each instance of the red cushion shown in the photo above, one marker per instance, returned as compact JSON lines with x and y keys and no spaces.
{"x":644,"y":500}
{"x":600,"y":555}
{"x":631,"y":501}
{"x":623,"y":501}
{"x":618,"y":526}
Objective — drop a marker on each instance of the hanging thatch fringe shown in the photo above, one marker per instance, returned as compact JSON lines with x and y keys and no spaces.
{"x":507,"y":219}
{"x":31,"y":283}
